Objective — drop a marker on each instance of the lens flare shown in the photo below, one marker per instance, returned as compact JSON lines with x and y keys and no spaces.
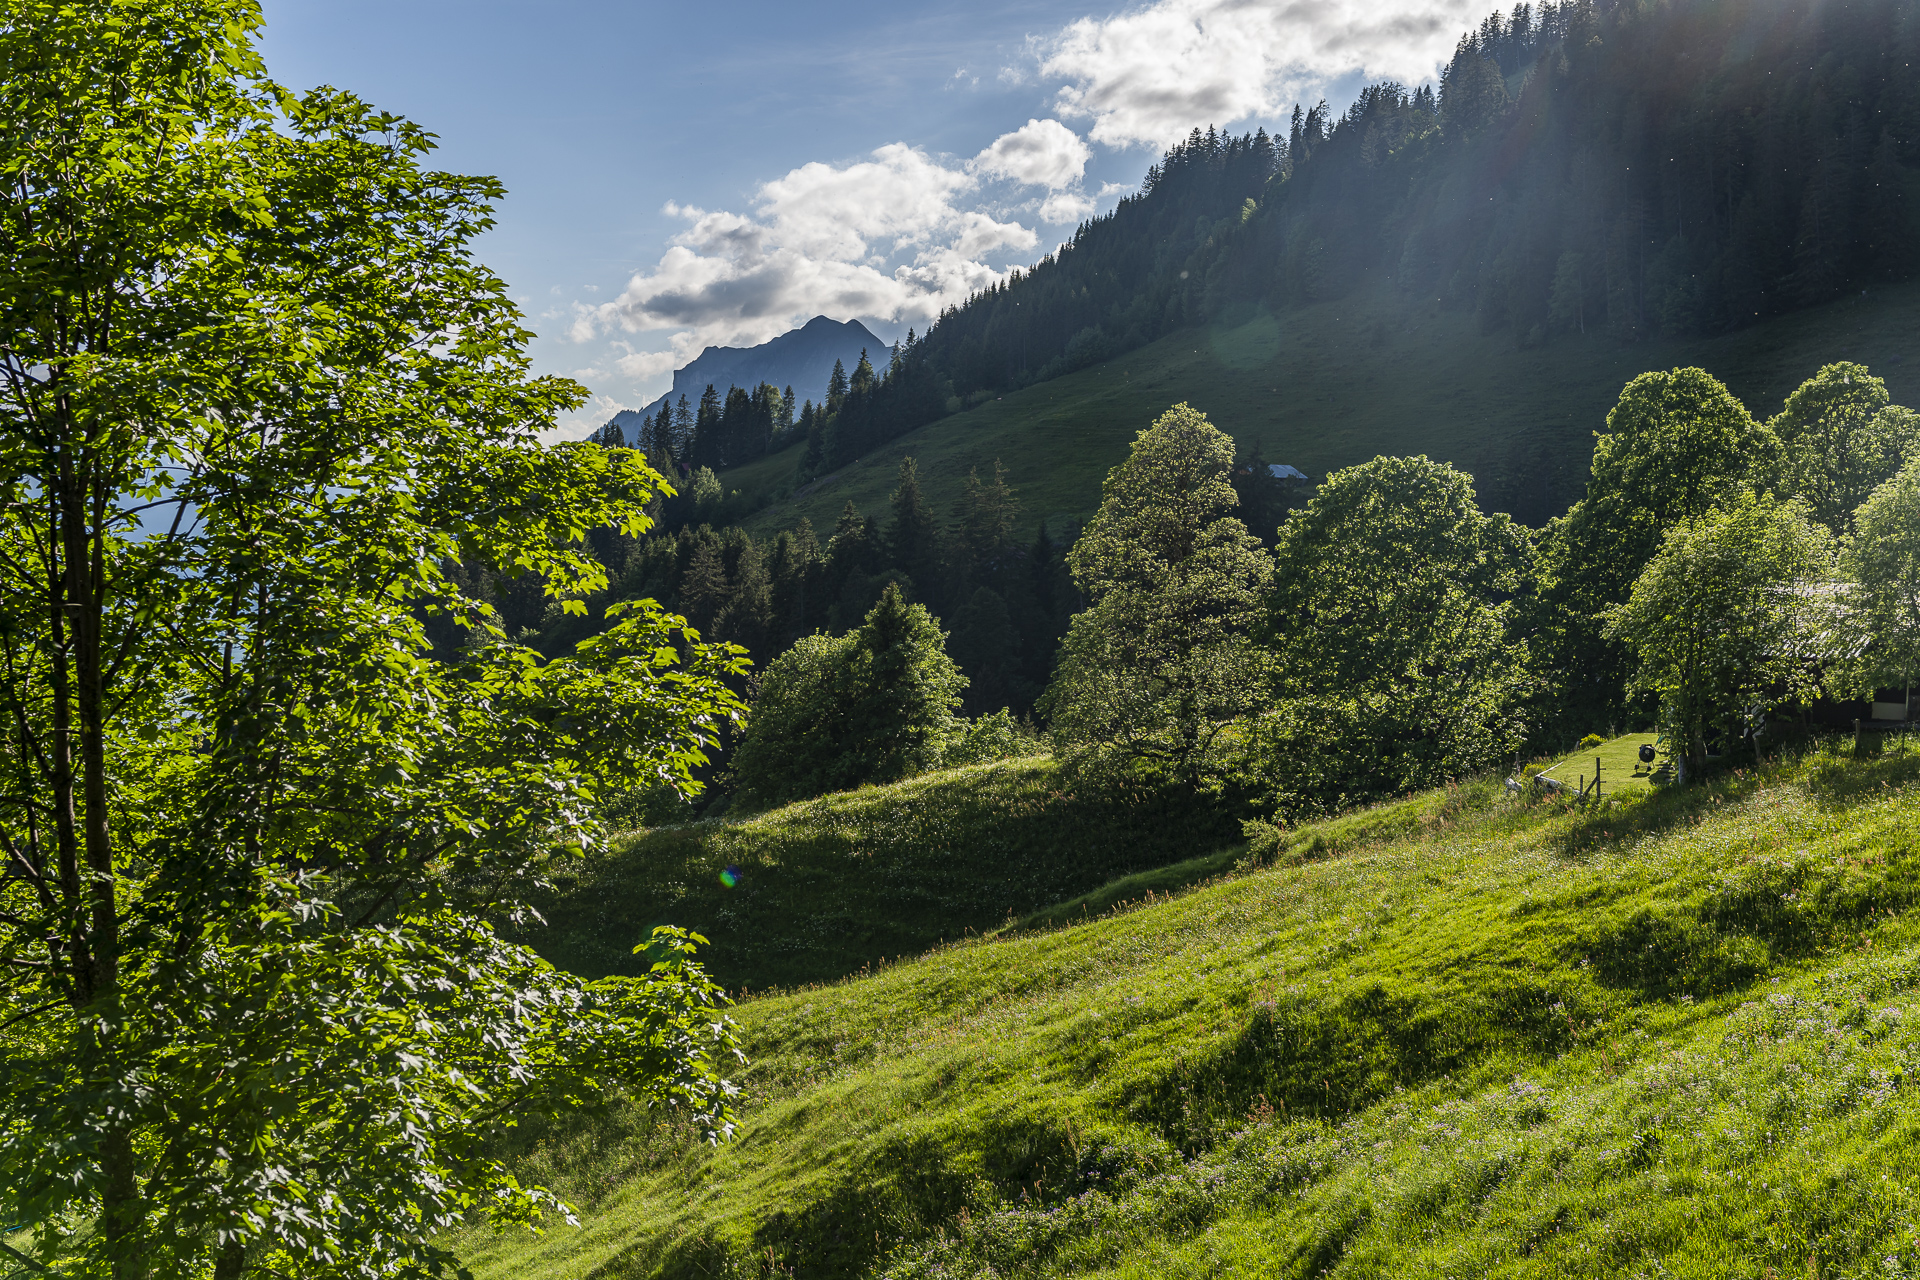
{"x":730,"y":877}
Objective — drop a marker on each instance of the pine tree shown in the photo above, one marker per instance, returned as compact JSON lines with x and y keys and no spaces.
{"x":704,"y":589}
{"x":836,"y":388}
{"x":660,"y":442}
{"x":913,"y":541}
{"x":783,"y":423}
{"x":747,"y":617}
{"x":1567,"y":299}
{"x":683,"y":425}
{"x":815,"y":458}
{"x":706,"y":448}
{"x":983,"y":519}
{"x":738,"y":427}
{"x":796,"y":565}
{"x":986,"y":645}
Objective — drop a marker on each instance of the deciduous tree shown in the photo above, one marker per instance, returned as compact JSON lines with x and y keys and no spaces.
{"x":255,"y":395}
{"x":1843,"y":437}
{"x":1882,"y":561}
{"x":874,"y":705}
{"x":1161,"y":662}
{"x":1390,"y":626}
{"x":1719,"y":622}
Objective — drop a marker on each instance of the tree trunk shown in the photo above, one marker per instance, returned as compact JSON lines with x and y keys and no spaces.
{"x":231,"y":1262}
{"x":122,"y":1215}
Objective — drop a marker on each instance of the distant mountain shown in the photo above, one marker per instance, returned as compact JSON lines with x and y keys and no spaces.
{"x":800,"y":358}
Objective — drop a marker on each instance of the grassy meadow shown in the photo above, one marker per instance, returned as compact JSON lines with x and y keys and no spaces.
{"x":1465,"y":1034}
{"x":1336,"y":383}
{"x":816,"y":890}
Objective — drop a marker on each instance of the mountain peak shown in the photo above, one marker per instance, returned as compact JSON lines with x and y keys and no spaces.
{"x":799,"y":358}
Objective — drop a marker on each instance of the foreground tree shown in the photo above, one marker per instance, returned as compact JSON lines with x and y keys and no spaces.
{"x":256,"y":394}
{"x":1390,"y":625}
{"x":1725,"y":617}
{"x":834,"y":712}
{"x":1161,"y":662}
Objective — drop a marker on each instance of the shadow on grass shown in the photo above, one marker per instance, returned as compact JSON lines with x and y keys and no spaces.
{"x":1660,"y":811}
{"x":1142,"y":888}
{"x":1881,"y":766}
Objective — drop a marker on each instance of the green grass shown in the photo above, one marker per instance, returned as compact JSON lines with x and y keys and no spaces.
{"x":1621,"y":770}
{"x":825,"y":887}
{"x":1460,"y":1035}
{"x":1337,"y":383}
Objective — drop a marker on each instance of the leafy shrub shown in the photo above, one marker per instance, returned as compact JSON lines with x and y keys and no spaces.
{"x":994,"y":737}
{"x":834,"y":712}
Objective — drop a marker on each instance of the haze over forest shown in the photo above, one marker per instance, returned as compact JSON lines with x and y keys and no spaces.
{"x":1355,"y":717}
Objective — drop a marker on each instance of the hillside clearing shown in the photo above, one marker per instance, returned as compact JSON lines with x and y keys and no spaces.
{"x":1467,"y":1035}
{"x":1332,"y":384}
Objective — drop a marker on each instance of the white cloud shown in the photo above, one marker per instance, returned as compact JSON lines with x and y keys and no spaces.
{"x":1066,"y":206}
{"x":1151,"y":74}
{"x":885,"y":238}
{"x":1040,"y":153}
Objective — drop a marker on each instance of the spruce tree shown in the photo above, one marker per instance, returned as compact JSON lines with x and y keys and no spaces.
{"x":682,"y":432}
{"x":913,"y":541}
{"x":836,"y":388}
{"x":747,"y":617}
{"x":706,"y":449}
{"x":796,"y":564}
{"x":983,"y":519}
{"x":704,"y":589}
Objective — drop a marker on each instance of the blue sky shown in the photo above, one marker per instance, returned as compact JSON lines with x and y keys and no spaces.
{"x":681,"y":175}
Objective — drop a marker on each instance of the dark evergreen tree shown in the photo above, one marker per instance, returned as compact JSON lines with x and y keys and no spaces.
{"x":704,"y":587}
{"x":795,"y":570}
{"x":707,"y":448}
{"x":836,"y":388}
{"x":683,"y":427}
{"x":913,"y":540}
{"x":982,"y":532}
{"x":747,"y":617}
{"x":813,"y":427}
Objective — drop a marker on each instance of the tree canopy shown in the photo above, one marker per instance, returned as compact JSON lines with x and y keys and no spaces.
{"x":1882,"y":561}
{"x":1721,"y":618}
{"x":833,"y":712}
{"x":1162,"y":661}
{"x":256,"y":399}
{"x":1390,"y":624}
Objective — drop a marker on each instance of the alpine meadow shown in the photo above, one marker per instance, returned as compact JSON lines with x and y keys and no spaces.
{"x":1355,"y":718}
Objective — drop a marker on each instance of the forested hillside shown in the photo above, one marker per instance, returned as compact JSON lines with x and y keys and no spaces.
{"x":1470,"y":273}
{"x":1672,"y":169}
{"x":1592,"y":167}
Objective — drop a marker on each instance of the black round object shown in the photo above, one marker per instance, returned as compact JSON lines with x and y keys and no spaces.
{"x":1646,"y":753}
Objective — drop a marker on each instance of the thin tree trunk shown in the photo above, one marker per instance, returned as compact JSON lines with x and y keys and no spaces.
{"x":231,"y":1262}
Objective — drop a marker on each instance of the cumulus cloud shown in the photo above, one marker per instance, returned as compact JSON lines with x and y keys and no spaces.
{"x":1066,"y":206}
{"x":1151,"y":74}
{"x":1040,"y":153}
{"x":886,"y":238}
